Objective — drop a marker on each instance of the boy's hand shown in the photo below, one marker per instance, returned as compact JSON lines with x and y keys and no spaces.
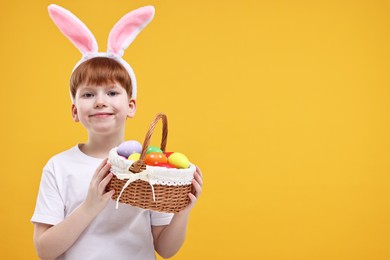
{"x":97,"y":198}
{"x":197,"y":184}
{"x":168,"y":239}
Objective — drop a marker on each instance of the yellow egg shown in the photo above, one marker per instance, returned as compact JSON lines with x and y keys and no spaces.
{"x":134,"y":156}
{"x":179,"y":160}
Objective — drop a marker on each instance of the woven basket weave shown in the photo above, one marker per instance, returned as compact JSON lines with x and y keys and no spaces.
{"x":169,"y":197}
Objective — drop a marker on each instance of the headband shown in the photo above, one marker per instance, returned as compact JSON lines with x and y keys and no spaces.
{"x":121,"y":36}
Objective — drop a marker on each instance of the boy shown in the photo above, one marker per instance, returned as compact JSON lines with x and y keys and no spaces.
{"x":74,"y":216}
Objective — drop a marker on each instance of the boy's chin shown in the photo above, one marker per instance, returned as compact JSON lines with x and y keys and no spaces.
{"x":105,"y":130}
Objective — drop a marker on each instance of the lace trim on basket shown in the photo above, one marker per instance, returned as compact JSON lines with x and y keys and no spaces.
{"x":157,"y":175}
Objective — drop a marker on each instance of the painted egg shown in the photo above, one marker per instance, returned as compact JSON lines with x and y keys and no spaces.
{"x":167,"y":154}
{"x":134,"y":156}
{"x":153,"y":149}
{"x":153,"y":159}
{"x":166,"y":165}
{"x":179,"y":160}
{"x":129,"y":147}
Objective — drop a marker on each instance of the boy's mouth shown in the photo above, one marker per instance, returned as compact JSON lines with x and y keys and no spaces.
{"x":101,"y":115}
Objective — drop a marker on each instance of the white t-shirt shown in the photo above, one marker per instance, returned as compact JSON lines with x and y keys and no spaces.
{"x":123,"y":233}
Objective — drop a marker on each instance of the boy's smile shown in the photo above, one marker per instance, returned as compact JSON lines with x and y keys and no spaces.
{"x":101,"y":115}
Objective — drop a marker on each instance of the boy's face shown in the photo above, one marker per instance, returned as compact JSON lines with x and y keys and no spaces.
{"x":103,"y":109}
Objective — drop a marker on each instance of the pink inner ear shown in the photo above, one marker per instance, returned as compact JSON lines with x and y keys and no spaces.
{"x":74,"y":29}
{"x":127,"y":29}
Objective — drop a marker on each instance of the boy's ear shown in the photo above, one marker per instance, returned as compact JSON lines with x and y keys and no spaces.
{"x":132,"y":108}
{"x":74,"y":113}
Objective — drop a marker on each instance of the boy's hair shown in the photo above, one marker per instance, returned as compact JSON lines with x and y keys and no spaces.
{"x":98,"y":71}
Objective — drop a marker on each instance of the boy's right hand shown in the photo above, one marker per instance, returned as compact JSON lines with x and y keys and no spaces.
{"x":97,"y":199}
{"x":52,"y":241}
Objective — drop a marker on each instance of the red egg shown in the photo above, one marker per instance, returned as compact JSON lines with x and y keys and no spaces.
{"x":166,"y":165}
{"x":167,"y":154}
{"x":152,"y":159}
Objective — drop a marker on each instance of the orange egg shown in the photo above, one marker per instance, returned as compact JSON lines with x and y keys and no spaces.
{"x":152,"y":159}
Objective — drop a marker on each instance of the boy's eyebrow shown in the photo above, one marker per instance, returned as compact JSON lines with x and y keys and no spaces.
{"x":93,"y":86}
{"x":114,"y":85}
{"x":85,"y":88}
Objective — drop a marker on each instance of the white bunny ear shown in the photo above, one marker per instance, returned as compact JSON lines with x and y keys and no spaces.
{"x":127,"y":28}
{"x":74,"y":29}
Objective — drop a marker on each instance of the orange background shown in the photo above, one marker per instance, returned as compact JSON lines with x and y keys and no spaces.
{"x":284,"y":105}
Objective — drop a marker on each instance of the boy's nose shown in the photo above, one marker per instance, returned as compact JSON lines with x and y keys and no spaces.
{"x":100,"y":101}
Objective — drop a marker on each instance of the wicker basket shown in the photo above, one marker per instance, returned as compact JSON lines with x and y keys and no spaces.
{"x":148,"y":187}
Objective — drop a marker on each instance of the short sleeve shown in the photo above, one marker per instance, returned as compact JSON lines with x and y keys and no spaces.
{"x":49,"y":208}
{"x":160,"y":218}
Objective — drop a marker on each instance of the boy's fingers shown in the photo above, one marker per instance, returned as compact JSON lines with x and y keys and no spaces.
{"x":192,"y":197}
{"x":197,"y":187}
{"x":101,"y":165}
{"x":199,"y":171}
{"x":108,"y":194}
{"x":100,"y":175}
{"x":198,"y":178}
{"x":104,"y":182}
{"x":103,"y":172}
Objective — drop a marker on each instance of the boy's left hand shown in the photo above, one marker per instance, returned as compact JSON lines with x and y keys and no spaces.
{"x":197,"y":184}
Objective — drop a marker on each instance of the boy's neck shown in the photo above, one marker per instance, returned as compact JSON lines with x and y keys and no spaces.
{"x":100,"y":147}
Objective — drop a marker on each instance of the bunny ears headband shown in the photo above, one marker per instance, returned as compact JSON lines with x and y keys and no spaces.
{"x":121,"y":36}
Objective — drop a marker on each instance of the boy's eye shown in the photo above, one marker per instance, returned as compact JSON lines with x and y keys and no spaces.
{"x":113,"y":93}
{"x":87,"y":95}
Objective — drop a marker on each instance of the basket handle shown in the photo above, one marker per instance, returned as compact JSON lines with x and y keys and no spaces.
{"x":140,"y":165}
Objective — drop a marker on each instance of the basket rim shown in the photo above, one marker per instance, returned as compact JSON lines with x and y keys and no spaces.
{"x":154,"y":174}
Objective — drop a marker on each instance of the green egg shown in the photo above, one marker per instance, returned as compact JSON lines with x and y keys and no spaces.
{"x":153,"y":149}
{"x":179,"y":160}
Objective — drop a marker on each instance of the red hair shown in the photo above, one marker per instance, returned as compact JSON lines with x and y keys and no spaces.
{"x":98,"y":71}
